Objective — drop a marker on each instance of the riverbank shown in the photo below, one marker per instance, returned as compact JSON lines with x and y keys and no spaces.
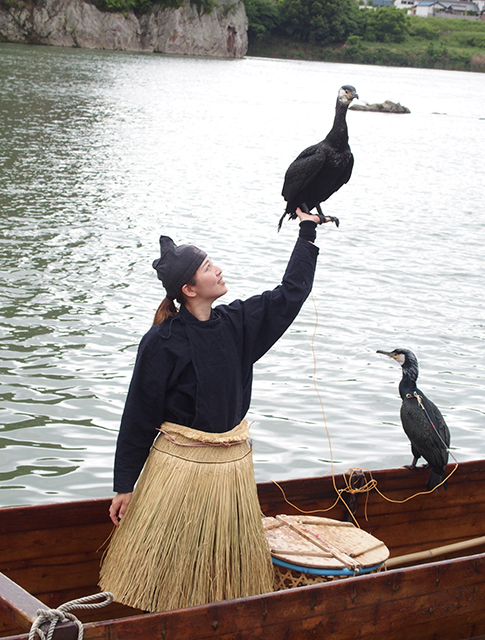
{"x":180,"y":30}
{"x":434,"y":43}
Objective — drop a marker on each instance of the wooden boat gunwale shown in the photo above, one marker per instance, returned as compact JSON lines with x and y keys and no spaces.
{"x":443,"y":594}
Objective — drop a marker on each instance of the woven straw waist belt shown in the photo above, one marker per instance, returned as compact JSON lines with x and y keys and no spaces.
{"x":201,"y":446}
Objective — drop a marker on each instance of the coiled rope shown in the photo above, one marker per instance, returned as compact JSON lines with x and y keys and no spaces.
{"x":61,"y":614}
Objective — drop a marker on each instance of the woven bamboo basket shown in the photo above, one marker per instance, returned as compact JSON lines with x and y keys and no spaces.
{"x":308,"y":550}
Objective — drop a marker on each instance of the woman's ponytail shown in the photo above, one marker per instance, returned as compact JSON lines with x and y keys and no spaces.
{"x":167,"y":309}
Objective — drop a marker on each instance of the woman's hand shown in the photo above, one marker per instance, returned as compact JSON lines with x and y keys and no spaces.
{"x":318,"y":219}
{"x":118,"y":506}
{"x":307,"y":216}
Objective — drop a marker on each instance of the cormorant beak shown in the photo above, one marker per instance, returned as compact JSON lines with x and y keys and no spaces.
{"x":387,"y":353}
{"x":352,"y":95}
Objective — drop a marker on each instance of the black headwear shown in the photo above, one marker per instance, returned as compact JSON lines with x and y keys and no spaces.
{"x":177,"y":265}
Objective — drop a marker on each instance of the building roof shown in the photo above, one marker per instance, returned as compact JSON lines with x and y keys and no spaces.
{"x":459,"y":5}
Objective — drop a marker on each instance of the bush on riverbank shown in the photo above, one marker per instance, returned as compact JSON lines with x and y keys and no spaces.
{"x":387,"y":37}
{"x":322,"y":22}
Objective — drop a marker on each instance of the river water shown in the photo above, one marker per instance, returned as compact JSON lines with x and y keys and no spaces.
{"x":101,"y":152}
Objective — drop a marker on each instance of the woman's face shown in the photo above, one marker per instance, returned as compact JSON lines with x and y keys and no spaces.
{"x":209,"y":282}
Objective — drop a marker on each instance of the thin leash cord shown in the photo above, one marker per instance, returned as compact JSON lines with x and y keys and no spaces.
{"x":315,"y":386}
{"x":368,"y":485}
{"x":337,"y":491}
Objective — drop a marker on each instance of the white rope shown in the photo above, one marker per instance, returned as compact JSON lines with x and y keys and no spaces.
{"x":61,"y":615}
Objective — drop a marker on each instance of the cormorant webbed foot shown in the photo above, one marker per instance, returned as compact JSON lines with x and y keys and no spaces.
{"x":412,"y":466}
{"x":415,"y":467}
{"x":324,"y":219}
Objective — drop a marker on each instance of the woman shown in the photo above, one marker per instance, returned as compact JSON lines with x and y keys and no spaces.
{"x":191,"y":532}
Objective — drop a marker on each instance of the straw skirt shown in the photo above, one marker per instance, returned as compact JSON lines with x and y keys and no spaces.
{"x":192,"y":533}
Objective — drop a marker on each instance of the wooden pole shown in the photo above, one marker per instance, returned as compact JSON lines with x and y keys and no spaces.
{"x":431,"y":553}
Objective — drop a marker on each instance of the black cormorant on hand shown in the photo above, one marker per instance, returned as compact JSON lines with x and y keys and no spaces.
{"x":421,"y":420}
{"x":323,"y":168}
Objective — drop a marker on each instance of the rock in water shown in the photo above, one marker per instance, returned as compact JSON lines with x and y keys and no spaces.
{"x":384,"y":107}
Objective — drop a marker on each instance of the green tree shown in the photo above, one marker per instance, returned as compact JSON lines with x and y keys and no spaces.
{"x":320,"y":21}
{"x":263,"y":17}
{"x":387,"y":24}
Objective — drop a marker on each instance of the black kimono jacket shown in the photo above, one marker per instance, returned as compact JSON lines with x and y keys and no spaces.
{"x":199,"y":374}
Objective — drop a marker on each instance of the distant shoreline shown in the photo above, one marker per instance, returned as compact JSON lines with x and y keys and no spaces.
{"x":447,"y":51}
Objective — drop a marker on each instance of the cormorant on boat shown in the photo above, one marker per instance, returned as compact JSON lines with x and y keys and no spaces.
{"x":320,"y":170}
{"x":421,"y":419}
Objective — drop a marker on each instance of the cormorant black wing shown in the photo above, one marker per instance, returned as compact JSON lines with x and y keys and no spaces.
{"x":338,"y":177}
{"x":347,"y":173}
{"x":422,"y":434}
{"x":303,"y":170}
{"x":437,"y":420}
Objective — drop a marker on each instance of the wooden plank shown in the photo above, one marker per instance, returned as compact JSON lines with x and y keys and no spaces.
{"x":17,"y":603}
{"x":400,"y":482}
{"x":63,"y":631}
{"x":50,"y":577}
{"x":425,"y":521}
{"x":55,"y":541}
{"x":451,"y":597}
{"x":59,"y":561}
{"x":22,"y":608}
{"x":307,"y":490}
{"x":445,"y":529}
{"x":425,"y":509}
{"x":8,"y":627}
{"x":430,"y":506}
{"x":45,"y":516}
{"x":443,"y":602}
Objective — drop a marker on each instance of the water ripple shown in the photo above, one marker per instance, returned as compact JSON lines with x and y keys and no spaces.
{"x":103,"y":151}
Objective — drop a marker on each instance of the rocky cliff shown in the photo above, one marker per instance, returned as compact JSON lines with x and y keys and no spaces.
{"x":77,"y":23}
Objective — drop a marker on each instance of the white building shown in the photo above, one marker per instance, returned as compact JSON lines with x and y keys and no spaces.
{"x":461,"y":8}
{"x":427,"y":8}
{"x":443,"y":8}
{"x":407,"y":4}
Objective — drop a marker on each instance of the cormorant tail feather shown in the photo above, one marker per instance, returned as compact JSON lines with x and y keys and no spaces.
{"x":434,"y":480}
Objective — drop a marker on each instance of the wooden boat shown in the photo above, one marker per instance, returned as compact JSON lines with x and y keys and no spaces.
{"x":50,"y":554}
